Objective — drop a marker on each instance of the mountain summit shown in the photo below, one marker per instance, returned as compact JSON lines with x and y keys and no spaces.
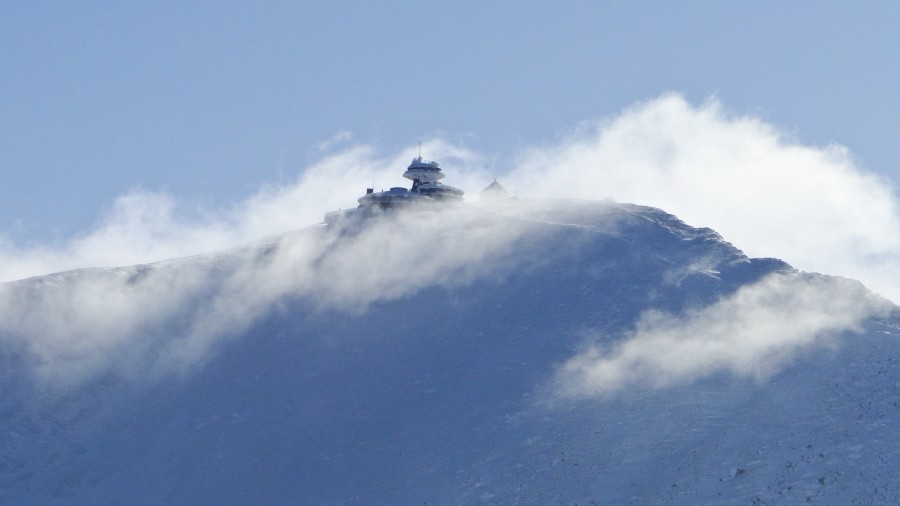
{"x":516,"y":352}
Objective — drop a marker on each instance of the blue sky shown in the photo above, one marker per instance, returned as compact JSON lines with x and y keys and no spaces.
{"x":208,"y":102}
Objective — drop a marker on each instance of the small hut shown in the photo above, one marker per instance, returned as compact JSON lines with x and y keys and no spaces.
{"x":494,"y":191}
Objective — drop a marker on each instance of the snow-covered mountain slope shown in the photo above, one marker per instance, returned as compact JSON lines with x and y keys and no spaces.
{"x":551,"y":352}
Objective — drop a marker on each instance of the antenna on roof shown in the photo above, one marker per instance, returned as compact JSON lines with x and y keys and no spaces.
{"x":420,"y":149}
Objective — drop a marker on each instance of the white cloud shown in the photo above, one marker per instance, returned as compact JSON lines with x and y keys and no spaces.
{"x":771,"y":196}
{"x":144,"y":226}
{"x":767,"y":194}
{"x":167,"y":318}
{"x":752,"y":333}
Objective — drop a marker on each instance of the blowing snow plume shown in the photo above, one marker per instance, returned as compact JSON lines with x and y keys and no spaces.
{"x":163,"y":319}
{"x":144,"y":226}
{"x":767,"y":193}
{"x":752,"y":333}
{"x":814,"y":207}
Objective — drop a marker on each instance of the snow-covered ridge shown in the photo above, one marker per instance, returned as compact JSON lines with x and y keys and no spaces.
{"x":514,"y":352}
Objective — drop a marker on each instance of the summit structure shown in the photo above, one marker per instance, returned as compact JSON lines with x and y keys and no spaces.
{"x":426,"y":177}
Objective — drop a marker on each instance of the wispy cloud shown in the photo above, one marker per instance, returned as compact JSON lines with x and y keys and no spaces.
{"x":763,"y":191}
{"x":163,"y":319}
{"x":767,"y":193}
{"x":770,"y":195}
{"x":751,"y":333}
{"x":144,"y":226}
